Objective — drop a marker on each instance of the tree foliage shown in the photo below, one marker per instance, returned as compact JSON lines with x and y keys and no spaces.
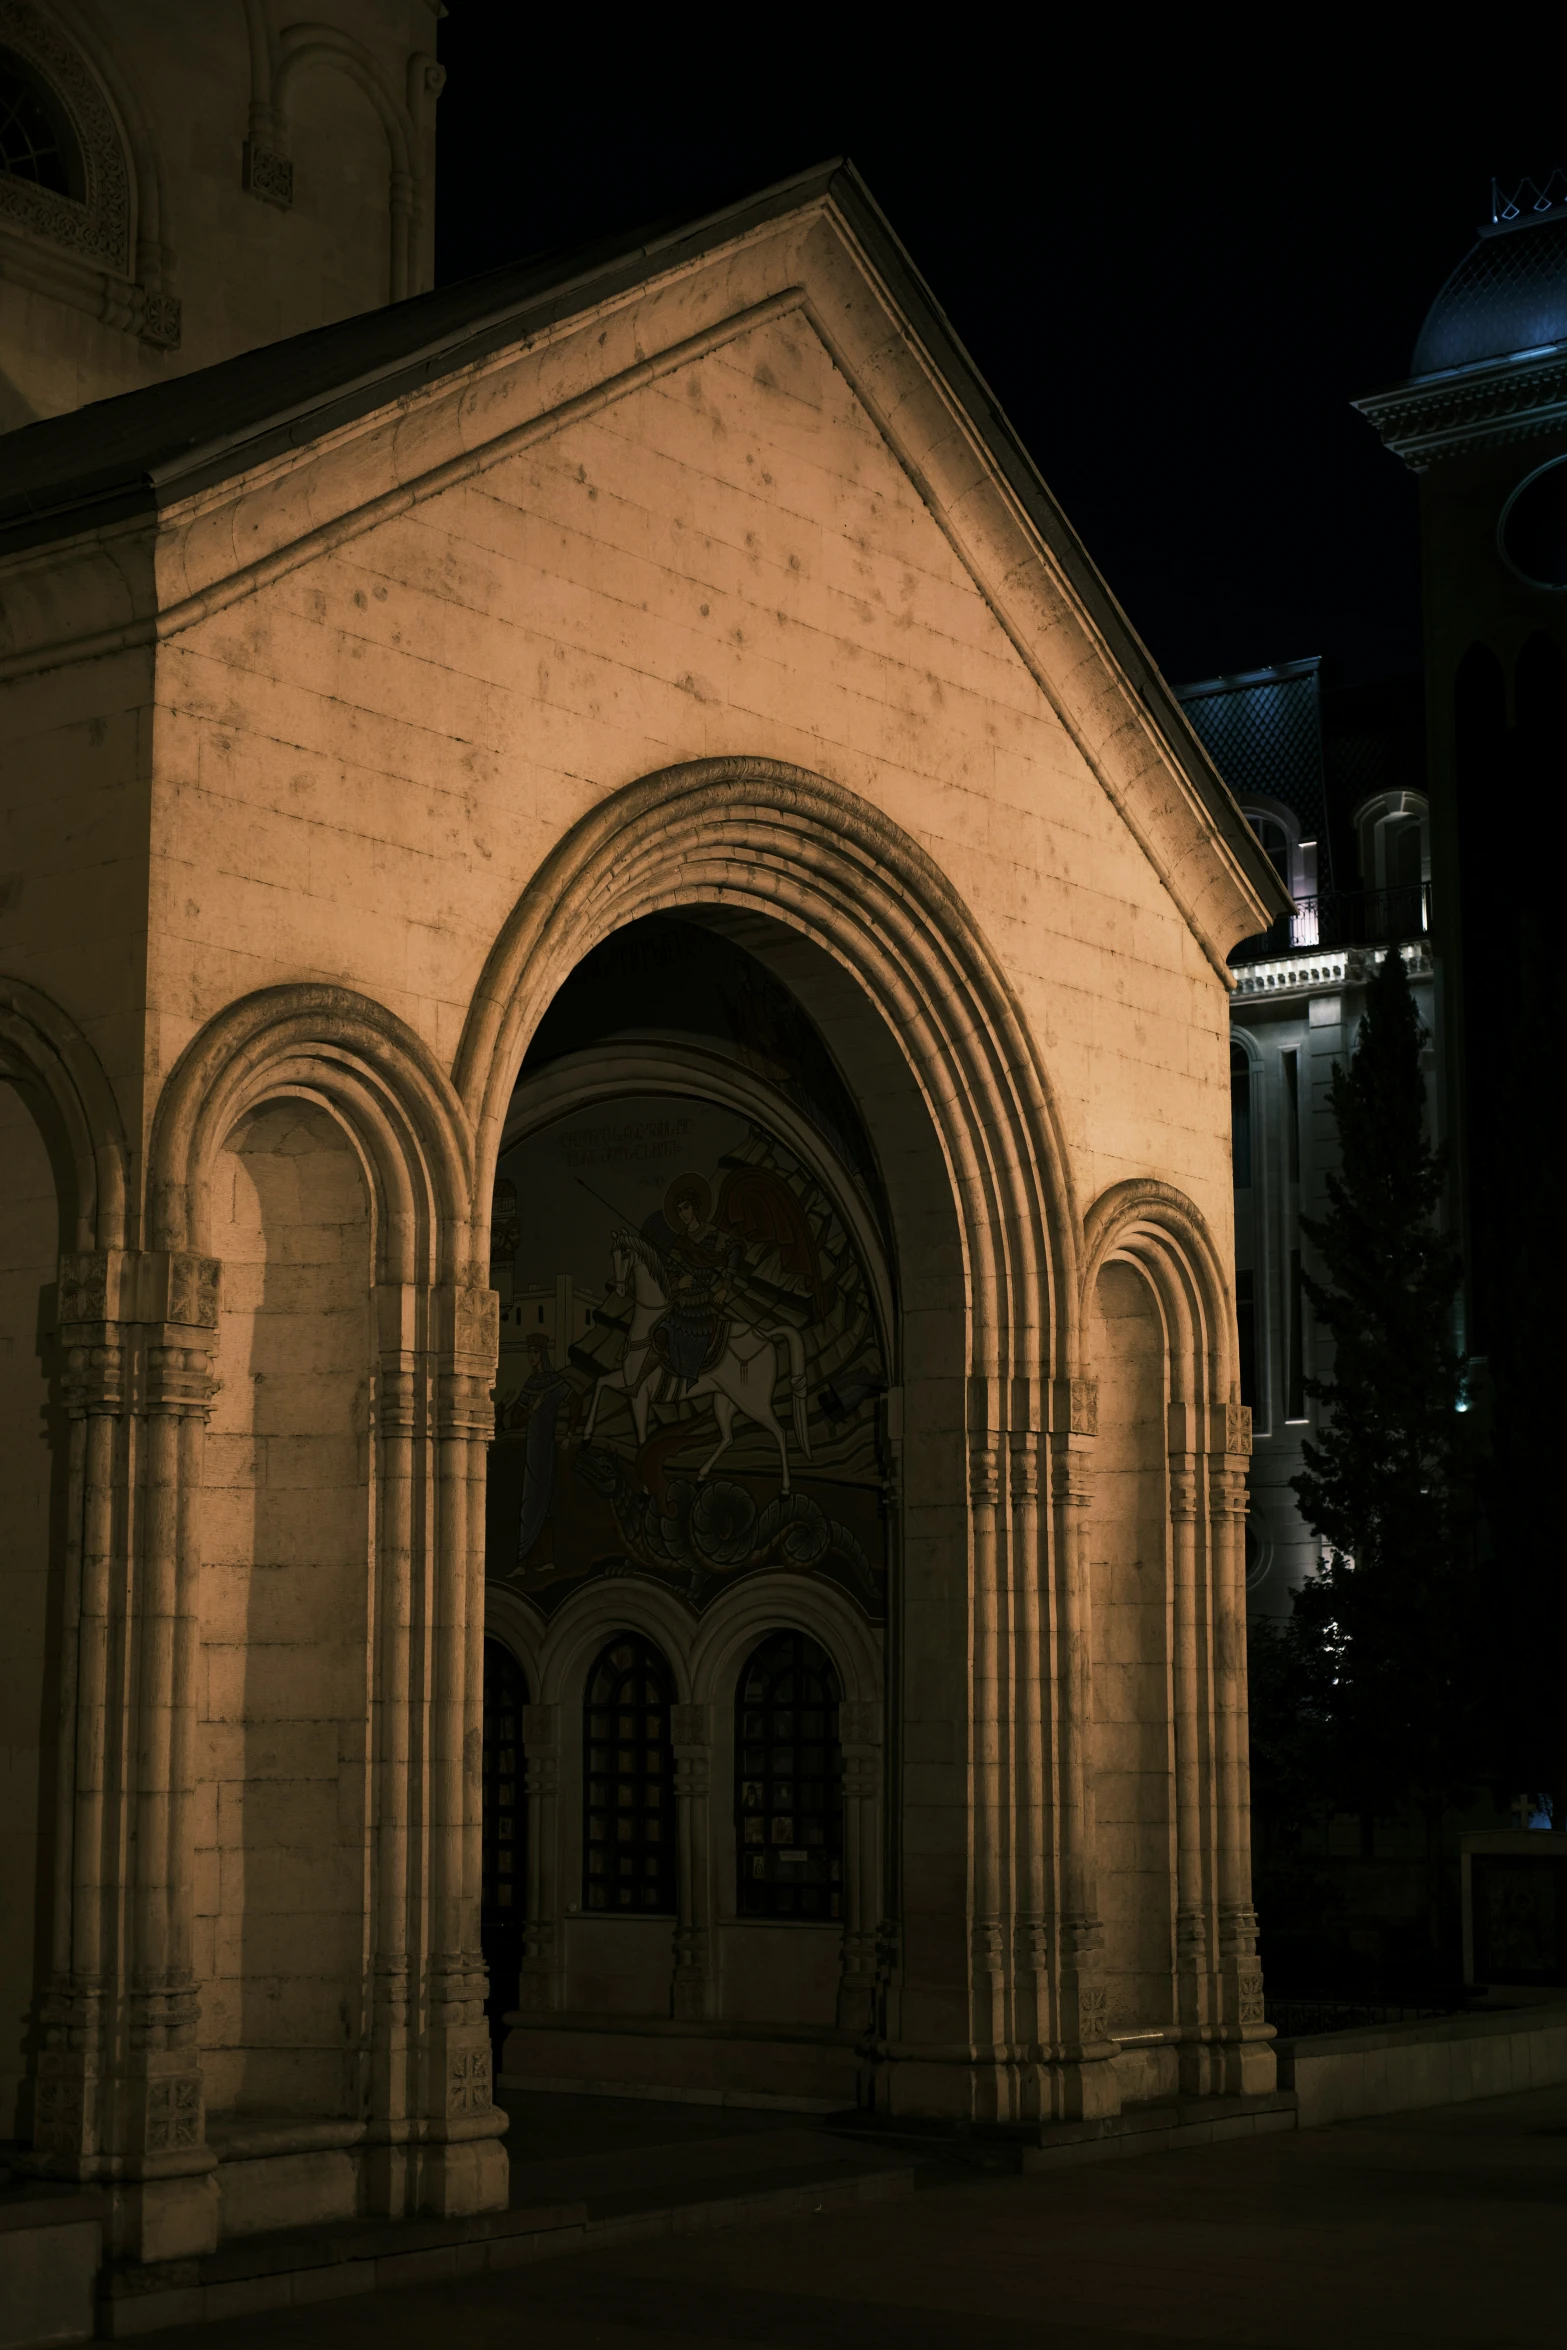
{"x":1525,"y":1571}
{"x":1391,"y":1611}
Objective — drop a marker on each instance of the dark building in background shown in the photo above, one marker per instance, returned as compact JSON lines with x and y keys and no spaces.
{"x":1483,"y":421}
{"x":1332,"y":781}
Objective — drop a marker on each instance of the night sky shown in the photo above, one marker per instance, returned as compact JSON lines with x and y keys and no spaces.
{"x":1176,"y":270}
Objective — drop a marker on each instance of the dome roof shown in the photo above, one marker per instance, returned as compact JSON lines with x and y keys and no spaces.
{"x":1508,"y":294}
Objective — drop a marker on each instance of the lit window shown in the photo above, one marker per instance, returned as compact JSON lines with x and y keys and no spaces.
{"x":789,"y":1783}
{"x":628,"y":1808}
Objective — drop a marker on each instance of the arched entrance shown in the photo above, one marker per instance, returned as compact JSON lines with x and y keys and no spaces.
{"x":979,"y":1969}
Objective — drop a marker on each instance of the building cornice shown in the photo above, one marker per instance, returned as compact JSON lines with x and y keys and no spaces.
{"x":1470,"y":408}
{"x":1323,"y":971}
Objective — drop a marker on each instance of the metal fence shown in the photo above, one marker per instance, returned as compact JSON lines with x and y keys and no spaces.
{"x":1343,"y":918}
{"x":1297,"y":2018}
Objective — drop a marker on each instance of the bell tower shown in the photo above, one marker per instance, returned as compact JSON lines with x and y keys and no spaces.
{"x":180,"y":182}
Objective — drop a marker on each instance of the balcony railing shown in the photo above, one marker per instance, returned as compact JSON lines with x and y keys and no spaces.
{"x":1344,"y":918}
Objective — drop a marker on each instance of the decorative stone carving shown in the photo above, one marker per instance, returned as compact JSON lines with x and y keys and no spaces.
{"x":467,"y":2082}
{"x":690,"y":1725}
{"x":84,"y":1288}
{"x":541,"y":1729}
{"x":859,"y":1722}
{"x":268,"y":174}
{"x":1075,"y":1407}
{"x":1237,"y":1434}
{"x":173,"y":2112}
{"x":192,"y":1291}
{"x":161,"y":321}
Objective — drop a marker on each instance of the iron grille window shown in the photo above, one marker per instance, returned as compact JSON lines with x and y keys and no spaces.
{"x":503,"y":1896}
{"x":789,"y":1783}
{"x":628,"y":1808}
{"x":503,"y":1884}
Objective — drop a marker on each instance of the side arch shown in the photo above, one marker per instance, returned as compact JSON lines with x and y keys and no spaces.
{"x":379,"y":1079}
{"x":1154,"y":1230}
{"x":307,"y":47}
{"x":45,"y":1053}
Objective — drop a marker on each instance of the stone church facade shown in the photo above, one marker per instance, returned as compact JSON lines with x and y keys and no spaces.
{"x":614,"y":1000}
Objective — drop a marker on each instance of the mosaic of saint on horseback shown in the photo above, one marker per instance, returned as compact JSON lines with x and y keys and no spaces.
{"x":691,"y":1381}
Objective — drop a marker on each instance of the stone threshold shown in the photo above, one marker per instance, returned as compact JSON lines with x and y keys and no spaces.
{"x":1162,"y":2128}
{"x":1158,"y":2127}
{"x":330,"y":2262}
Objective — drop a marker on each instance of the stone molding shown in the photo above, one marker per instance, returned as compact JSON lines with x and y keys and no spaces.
{"x":1472,"y":408}
{"x":813,"y":263}
{"x":1324,"y":970}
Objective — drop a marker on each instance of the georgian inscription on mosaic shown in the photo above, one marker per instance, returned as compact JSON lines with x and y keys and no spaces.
{"x":690,"y":1372}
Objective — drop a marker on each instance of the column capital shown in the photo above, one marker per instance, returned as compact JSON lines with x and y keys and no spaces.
{"x":176,"y":1287}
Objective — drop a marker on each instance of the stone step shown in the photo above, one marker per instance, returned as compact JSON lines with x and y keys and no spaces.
{"x":1160,"y":2128}
{"x":557,"y":2208}
{"x":1030,"y":2146}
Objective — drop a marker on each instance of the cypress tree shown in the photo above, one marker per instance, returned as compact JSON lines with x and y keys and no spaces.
{"x":1384,"y":1486}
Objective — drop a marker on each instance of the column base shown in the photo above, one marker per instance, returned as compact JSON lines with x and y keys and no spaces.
{"x":164,"y":2219}
{"x":1249,"y":2068}
{"x":452,"y":2180}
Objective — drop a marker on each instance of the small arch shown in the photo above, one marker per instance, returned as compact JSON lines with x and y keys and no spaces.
{"x":43,"y":1052}
{"x":304,"y":48}
{"x":379,"y":1079}
{"x":1167,"y":1233}
{"x":1394,"y":832}
{"x":629,"y":1856}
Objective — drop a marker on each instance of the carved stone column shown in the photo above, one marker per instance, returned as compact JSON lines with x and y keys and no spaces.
{"x":1032,"y":1804}
{"x":462,"y":2166}
{"x":1082,"y":2083}
{"x":693,"y":1985}
{"x":1191,"y":1619}
{"x":1246,"y":2037}
{"x":989,"y":1973}
{"x":860,"y":1736}
{"x":401,"y":1419}
{"x":119,"y":2093}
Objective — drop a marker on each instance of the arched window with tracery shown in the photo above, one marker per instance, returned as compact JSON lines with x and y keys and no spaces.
{"x":37,"y":142}
{"x":628,"y":1797}
{"x":503,"y":1899}
{"x":789,"y":1783}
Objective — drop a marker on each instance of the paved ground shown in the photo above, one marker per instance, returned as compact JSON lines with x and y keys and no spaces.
{"x":1430,"y":2230}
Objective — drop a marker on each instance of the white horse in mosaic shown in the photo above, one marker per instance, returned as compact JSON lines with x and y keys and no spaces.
{"x":742,"y":1380}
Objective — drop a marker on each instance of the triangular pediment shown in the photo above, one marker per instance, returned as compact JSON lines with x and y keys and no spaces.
{"x":198,"y":491}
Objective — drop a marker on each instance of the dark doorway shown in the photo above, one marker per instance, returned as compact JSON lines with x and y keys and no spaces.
{"x":503,"y":1904}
